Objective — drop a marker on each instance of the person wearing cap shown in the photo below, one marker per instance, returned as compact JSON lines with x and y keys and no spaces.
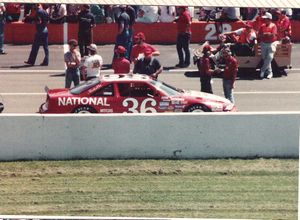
{"x":72,"y":60}
{"x":267,"y":35}
{"x":229,"y":74}
{"x":120,"y":63}
{"x":148,"y":65}
{"x":86,"y":22}
{"x":205,"y":69}
{"x":2,"y":23}
{"x":184,"y":33}
{"x":141,"y":46}
{"x":283,"y":26}
{"x":246,"y":39}
{"x":92,"y":64}
{"x":40,"y":38}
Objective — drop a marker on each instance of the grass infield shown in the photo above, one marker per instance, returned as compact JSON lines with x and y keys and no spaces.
{"x":231,"y":188}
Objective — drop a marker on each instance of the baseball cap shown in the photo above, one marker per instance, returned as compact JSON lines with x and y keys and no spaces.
{"x":92,"y":47}
{"x":206,"y":48}
{"x":120,"y":49}
{"x":140,"y":35}
{"x":267,"y":16}
{"x":1,"y":4}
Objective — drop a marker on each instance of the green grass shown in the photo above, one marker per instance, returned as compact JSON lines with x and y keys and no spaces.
{"x":261,"y":188}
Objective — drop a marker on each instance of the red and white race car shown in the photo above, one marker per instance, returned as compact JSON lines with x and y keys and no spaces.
{"x":130,"y":93}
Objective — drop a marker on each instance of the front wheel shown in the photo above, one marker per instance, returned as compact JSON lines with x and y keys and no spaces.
{"x":197,"y":108}
{"x":84,"y":110}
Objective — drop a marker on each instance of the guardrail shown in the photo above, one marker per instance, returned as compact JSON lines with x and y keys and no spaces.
{"x":149,"y":136}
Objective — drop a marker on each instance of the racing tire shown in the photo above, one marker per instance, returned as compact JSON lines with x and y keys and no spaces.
{"x":197,"y":108}
{"x":84,"y":110}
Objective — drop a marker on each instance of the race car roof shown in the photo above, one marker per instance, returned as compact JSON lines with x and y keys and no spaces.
{"x":212,"y":3}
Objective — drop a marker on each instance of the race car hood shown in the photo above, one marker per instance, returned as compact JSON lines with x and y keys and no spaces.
{"x":207,"y":96}
{"x":58,"y":92}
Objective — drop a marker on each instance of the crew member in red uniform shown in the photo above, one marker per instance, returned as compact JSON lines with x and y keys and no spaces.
{"x":284,"y":27}
{"x":120,"y":63}
{"x":229,"y":74}
{"x":267,"y":36}
{"x":140,"y":47}
{"x":183,"y":36}
{"x":259,"y":20}
{"x":246,"y":38}
{"x":205,"y":70}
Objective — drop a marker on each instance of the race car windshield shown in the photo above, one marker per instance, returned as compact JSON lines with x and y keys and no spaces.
{"x":170,"y":90}
{"x":84,"y":86}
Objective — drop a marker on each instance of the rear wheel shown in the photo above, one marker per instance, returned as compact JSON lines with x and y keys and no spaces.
{"x":197,"y":108}
{"x":84,"y":110}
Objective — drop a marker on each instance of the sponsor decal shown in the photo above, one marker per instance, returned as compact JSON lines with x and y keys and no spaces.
{"x":161,"y":104}
{"x":65,"y":101}
{"x":179,"y":106}
{"x":106,"y":110}
{"x":163,"y":107}
{"x":177,"y":101}
{"x":94,"y":88}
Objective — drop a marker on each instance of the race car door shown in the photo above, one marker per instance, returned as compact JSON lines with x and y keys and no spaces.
{"x":138,"y":97}
{"x":106,"y":100}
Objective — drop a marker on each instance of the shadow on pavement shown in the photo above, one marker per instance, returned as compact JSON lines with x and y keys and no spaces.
{"x":192,"y":74}
{"x":58,"y":75}
{"x":170,"y":68}
{"x":21,"y":66}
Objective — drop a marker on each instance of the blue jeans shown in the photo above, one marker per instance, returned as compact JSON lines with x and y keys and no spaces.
{"x":124,"y":40}
{"x":183,"y":44}
{"x":228,"y":89}
{"x":40,"y":39}
{"x":267,"y":53}
{"x":1,"y":36}
{"x":72,"y":75}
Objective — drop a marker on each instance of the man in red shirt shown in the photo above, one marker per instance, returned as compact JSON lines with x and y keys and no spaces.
{"x":246,"y":39}
{"x":229,"y":74}
{"x":140,"y":47}
{"x":284,"y":26}
{"x":205,"y":70}
{"x":267,"y":36}
{"x":183,"y":36}
{"x":120,"y":63}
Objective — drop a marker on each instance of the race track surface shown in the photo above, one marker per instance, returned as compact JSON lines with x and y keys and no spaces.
{"x":22,"y":87}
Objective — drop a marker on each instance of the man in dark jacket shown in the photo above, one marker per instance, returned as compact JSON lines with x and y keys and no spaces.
{"x":86,"y":23}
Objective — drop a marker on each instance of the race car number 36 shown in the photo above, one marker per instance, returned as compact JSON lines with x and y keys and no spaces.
{"x":133,"y":105}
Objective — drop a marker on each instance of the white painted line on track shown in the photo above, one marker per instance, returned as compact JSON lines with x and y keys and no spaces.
{"x":269,"y":92}
{"x":23,"y":93}
{"x":32,"y":71}
{"x":44,"y":71}
{"x":193,"y":70}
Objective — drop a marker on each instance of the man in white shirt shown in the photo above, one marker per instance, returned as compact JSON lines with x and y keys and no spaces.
{"x":167,"y":13}
{"x":92,"y":64}
{"x":147,"y":14}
